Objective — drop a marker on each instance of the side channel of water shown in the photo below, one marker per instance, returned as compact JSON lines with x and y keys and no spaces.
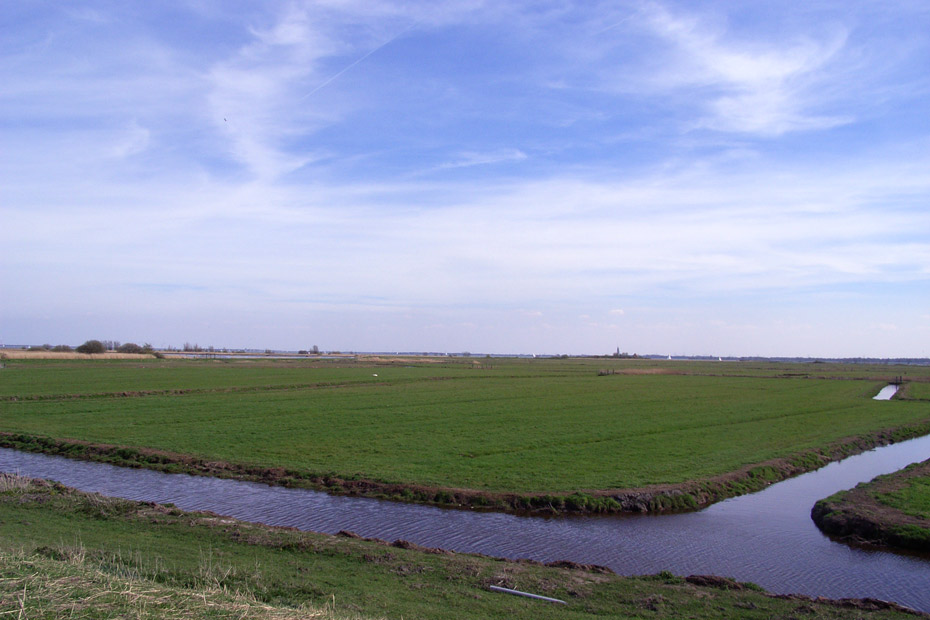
{"x":887,"y":392}
{"x":767,"y":537}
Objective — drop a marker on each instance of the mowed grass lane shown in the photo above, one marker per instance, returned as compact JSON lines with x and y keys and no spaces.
{"x":495,"y":430}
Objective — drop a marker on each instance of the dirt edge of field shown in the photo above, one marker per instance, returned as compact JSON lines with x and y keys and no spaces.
{"x":857,"y":517}
{"x":686,"y":496}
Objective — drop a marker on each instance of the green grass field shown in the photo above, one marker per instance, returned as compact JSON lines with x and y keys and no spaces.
{"x":918,"y":391}
{"x":70,"y":554}
{"x":912,"y":497}
{"x":523,"y":426}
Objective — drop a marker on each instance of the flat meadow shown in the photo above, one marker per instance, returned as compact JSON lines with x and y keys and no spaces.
{"x":520,"y":426}
{"x":502,"y":426}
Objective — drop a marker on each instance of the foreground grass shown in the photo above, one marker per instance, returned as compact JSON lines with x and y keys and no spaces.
{"x":62,"y":583}
{"x":519,"y":427}
{"x":890,"y":511}
{"x":63,"y":553}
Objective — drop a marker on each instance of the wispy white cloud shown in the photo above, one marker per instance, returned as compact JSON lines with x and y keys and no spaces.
{"x":550,"y":240}
{"x":251,"y":96}
{"x":757,"y":86}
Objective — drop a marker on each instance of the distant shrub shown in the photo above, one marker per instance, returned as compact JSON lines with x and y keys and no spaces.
{"x":130,"y":347}
{"x":92,"y":346}
{"x":62,"y":348}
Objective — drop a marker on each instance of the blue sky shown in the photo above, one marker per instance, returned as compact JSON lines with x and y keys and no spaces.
{"x":723,"y":178}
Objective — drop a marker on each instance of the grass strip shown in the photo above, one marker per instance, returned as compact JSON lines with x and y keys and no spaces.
{"x":689,"y":495}
{"x":889,"y":511}
{"x":63,"y":550}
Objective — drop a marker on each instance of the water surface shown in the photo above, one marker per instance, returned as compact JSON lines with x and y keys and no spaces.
{"x":887,"y":392}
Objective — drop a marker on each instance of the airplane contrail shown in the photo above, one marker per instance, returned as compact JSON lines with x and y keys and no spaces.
{"x":388,"y":42}
{"x":615,"y":24}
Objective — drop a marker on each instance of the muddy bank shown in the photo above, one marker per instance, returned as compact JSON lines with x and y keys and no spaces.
{"x":856,"y":516}
{"x":687,"y":496}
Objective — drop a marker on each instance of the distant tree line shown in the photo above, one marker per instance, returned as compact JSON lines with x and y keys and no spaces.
{"x":102,"y":346}
{"x":58,"y":348}
{"x":196,"y":348}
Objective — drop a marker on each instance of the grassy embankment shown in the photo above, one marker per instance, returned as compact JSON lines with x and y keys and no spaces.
{"x":507,"y":434}
{"x":69,"y":554}
{"x":891,"y":510}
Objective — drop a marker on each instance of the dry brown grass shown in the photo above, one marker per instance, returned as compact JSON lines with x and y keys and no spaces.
{"x":22,"y":354}
{"x":14,"y":482}
{"x":35,"y":586}
{"x":401,"y":359}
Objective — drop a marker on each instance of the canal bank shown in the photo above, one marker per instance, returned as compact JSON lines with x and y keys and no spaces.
{"x":767,"y":538}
